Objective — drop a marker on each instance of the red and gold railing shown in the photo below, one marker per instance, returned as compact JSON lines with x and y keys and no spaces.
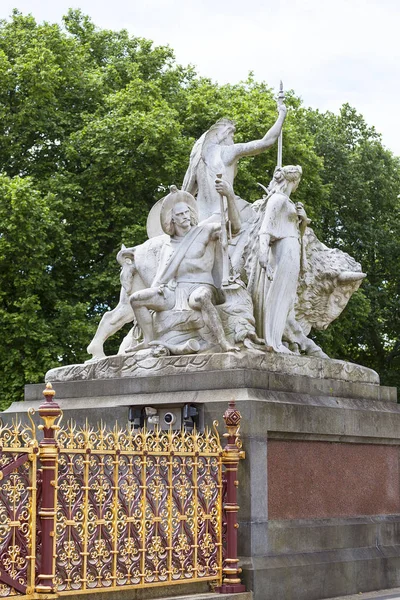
{"x":117,"y":509}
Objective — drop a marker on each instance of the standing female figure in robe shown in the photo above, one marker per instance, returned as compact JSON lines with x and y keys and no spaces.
{"x":274,"y":256}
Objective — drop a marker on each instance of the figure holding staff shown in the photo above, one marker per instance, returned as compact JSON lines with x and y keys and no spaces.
{"x":216,"y":153}
{"x":274,"y":252}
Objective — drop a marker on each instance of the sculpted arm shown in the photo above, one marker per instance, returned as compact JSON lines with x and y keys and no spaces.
{"x":265,"y":240}
{"x":214,"y":230}
{"x":232,"y":153}
{"x":225,"y":189}
{"x":270,"y":217}
{"x":303,"y":219}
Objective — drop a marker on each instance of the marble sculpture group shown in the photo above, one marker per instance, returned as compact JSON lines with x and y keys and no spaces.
{"x":219,"y":274}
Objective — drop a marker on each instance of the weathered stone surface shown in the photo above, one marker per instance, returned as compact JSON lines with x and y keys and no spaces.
{"x":321,"y":575}
{"x":173,"y":592}
{"x":393,"y":594}
{"x":296,"y":536}
{"x":119,"y":366}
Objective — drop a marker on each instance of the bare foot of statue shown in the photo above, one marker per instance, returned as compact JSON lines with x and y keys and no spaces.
{"x":283,"y":350}
{"x":227,"y":347}
{"x":97,"y":352}
{"x":141,"y":346}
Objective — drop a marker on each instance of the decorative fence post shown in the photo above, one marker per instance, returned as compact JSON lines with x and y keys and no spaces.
{"x":231,"y":583}
{"x":48,"y":452}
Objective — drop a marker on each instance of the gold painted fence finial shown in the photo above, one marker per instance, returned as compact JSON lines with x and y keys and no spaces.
{"x":48,"y":392}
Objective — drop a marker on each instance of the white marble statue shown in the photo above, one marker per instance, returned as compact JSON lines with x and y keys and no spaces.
{"x":172,"y":287}
{"x":295,"y":281}
{"x":247,"y":277}
{"x":140,"y":266}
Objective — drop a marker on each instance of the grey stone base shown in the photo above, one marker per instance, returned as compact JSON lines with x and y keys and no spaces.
{"x":320,"y":558}
{"x":204,"y":386}
{"x":175,"y":592}
{"x":392,"y":594}
{"x":270,"y":402}
{"x":138,"y":366}
{"x":316,"y":578}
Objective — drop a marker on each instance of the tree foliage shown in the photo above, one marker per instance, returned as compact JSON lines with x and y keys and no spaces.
{"x":96,"y":124}
{"x":362,"y":217}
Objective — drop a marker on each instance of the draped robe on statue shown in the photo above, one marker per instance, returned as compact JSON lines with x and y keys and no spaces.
{"x":273,"y":300}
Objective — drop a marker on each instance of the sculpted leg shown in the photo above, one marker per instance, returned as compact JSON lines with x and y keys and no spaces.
{"x":294,"y":334}
{"x":122,"y":314}
{"x":110,"y":323}
{"x":145,"y":322}
{"x":141,"y":303}
{"x":201,"y":299}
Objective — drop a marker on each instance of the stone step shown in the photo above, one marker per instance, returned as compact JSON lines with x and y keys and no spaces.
{"x":154,"y":594}
{"x":392,"y":594}
{"x":213,"y":596}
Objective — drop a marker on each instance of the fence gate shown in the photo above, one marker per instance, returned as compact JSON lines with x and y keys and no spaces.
{"x":18,"y":509}
{"x":117,"y":509}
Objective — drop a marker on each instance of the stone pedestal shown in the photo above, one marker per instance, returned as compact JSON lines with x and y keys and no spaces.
{"x":319,"y":490}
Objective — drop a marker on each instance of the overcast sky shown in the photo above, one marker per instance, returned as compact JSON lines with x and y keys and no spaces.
{"x":329,"y":52}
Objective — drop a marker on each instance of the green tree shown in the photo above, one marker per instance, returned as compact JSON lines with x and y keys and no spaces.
{"x":59,"y":86}
{"x":37,"y":322}
{"x":362,"y":217}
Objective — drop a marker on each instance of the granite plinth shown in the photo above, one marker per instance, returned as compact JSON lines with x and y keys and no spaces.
{"x":290,"y":558}
{"x":312,"y":469}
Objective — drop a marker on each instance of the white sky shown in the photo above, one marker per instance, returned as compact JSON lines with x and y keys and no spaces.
{"x":328,"y":52}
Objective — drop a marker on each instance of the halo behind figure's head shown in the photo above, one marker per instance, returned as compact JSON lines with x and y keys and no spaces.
{"x":172,"y":199}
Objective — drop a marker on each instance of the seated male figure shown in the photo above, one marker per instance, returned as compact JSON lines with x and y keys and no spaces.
{"x":184,"y":279}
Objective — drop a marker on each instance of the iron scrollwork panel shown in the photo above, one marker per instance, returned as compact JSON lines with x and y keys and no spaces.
{"x":18,"y":497}
{"x":70,"y":527}
{"x":183,"y":518}
{"x":129,"y":525}
{"x":137,"y":509}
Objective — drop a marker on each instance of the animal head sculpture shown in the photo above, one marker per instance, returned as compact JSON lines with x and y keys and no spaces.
{"x":331,"y":278}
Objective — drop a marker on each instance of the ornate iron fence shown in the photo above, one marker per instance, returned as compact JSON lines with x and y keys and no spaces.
{"x":117,"y":509}
{"x":137,"y":509}
{"x":18,"y":501}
